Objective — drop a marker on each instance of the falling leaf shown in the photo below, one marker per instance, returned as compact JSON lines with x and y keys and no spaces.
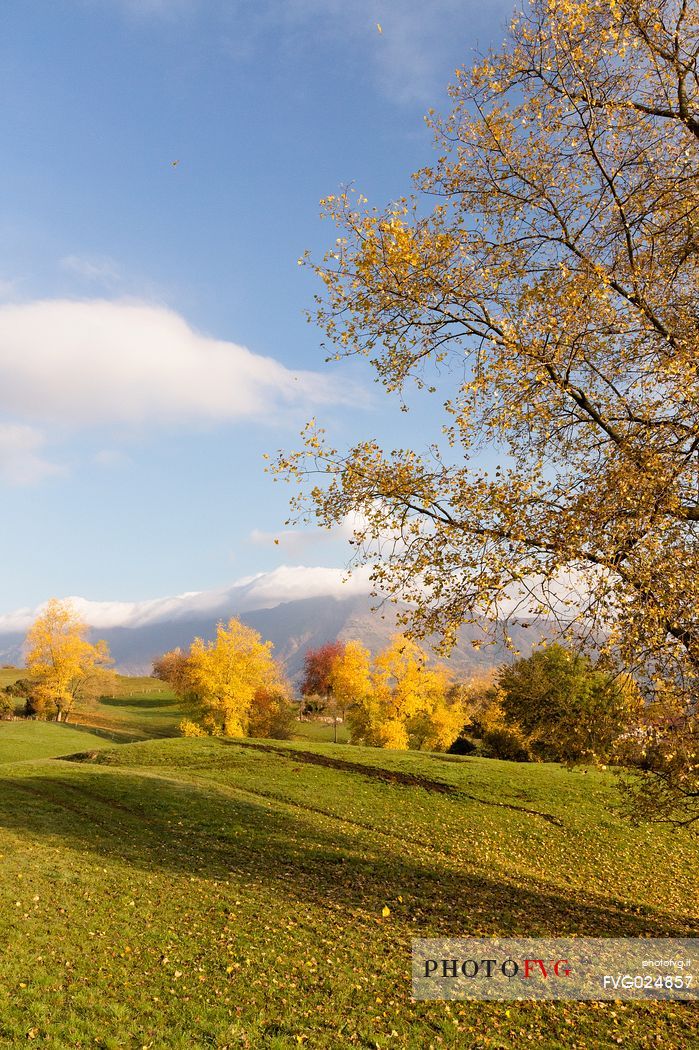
{"x":385,"y":911}
{"x":378,"y":26}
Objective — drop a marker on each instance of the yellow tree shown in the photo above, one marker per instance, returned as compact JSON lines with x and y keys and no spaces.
{"x":224,"y":676}
{"x":63,"y":665}
{"x":544,"y":278}
{"x":272,"y":713}
{"x":407,"y":704}
{"x":350,"y":675}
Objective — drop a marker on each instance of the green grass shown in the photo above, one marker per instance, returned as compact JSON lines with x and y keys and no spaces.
{"x":126,"y":685}
{"x":23,"y":741}
{"x":197,"y":893}
{"x":9,"y":675}
{"x":140,"y":708}
{"x":320,"y":732}
{"x":135,"y":713}
{"x":140,"y":686}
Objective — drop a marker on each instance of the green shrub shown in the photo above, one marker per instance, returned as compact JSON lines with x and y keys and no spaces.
{"x":462,"y":745}
{"x":506,"y":743}
{"x":568,"y":709}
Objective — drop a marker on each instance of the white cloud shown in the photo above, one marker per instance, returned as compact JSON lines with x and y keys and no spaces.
{"x":297,"y":542}
{"x":265,"y":590}
{"x":94,"y":362}
{"x":354,"y":528}
{"x":291,"y":540}
{"x":262,"y":591}
{"x":20,"y":460}
{"x":289,"y":583}
{"x":102,"y":270}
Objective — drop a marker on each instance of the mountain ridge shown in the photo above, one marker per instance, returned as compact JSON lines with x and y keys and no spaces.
{"x":294,"y":627}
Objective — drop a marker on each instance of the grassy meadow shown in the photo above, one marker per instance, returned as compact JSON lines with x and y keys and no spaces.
{"x":144,"y":708}
{"x":320,"y":732}
{"x":141,"y":708}
{"x":9,"y":675}
{"x":207,"y":893}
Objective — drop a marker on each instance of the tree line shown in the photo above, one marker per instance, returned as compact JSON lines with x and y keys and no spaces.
{"x":555,"y":705}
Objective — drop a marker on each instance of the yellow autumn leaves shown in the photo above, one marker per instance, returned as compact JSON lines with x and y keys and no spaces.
{"x":407,"y":703}
{"x":63,"y":666}
{"x":545,"y":271}
{"x":232,"y":685}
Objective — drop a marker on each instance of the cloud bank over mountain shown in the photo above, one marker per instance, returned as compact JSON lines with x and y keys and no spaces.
{"x":265,"y":590}
{"x":295,"y":608}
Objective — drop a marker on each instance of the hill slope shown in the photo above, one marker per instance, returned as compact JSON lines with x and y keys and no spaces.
{"x":26,"y":741}
{"x":186,"y":893}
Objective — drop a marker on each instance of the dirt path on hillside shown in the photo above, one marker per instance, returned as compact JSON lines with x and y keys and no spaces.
{"x":390,"y":776}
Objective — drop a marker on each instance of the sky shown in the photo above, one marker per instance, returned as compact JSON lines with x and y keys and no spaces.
{"x":163,"y":162}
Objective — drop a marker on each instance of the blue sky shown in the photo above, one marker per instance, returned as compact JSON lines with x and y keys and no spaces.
{"x":152,"y":335}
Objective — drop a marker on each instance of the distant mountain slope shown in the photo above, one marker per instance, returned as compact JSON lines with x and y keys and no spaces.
{"x":293,"y":627}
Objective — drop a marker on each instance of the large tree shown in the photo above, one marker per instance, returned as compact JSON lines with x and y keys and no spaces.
{"x":545,"y":270}
{"x":64,"y":667}
{"x":318,"y":665}
{"x":407,"y":704}
{"x":232,"y":681}
{"x":569,"y":710}
{"x":351,"y":675}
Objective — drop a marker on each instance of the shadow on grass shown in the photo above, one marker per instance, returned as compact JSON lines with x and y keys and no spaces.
{"x":193,"y":829}
{"x":117,"y":736}
{"x":142,"y":703}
